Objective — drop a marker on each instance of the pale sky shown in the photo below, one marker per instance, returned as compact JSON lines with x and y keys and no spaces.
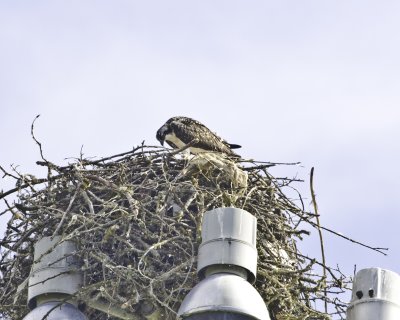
{"x":310,"y":81}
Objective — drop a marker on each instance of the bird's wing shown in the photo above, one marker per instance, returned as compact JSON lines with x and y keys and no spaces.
{"x":188,"y":130}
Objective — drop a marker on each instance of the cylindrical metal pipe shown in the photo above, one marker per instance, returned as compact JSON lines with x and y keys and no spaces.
{"x":54,"y":310}
{"x":55,"y":270}
{"x":54,"y":279}
{"x":228,"y":239}
{"x":375,"y":295}
{"x":227,"y":262}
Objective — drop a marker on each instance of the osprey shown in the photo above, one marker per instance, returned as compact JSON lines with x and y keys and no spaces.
{"x":179,"y":131}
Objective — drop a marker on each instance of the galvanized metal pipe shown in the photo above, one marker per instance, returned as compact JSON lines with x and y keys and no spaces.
{"x":375,"y":295}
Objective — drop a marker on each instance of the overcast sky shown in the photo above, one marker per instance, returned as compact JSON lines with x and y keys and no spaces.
{"x":310,"y":81}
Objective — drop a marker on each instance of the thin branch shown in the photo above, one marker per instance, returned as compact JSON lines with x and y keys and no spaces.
{"x":34,"y":138}
{"x":377,"y":249}
{"x":7,"y":173}
{"x":26,"y":185}
{"x":319,"y":234}
{"x":71,"y":202}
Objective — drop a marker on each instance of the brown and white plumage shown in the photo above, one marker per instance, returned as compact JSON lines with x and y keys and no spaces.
{"x":179,"y":131}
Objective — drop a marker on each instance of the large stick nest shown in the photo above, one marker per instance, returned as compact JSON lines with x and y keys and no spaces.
{"x":136,"y":218}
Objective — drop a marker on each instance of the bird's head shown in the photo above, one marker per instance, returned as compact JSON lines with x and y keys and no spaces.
{"x":162,"y":132}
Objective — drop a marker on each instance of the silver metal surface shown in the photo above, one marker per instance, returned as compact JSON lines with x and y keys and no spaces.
{"x":55,"y":311}
{"x":375,"y":295}
{"x":228,"y":238}
{"x":55,"y":269}
{"x":226,"y":293}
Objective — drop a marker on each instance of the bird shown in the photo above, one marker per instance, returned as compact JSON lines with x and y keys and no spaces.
{"x":179,"y":131}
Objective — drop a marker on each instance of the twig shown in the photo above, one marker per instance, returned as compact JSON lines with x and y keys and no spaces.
{"x":25,"y":185}
{"x":263,"y":166}
{"x":71,"y":202}
{"x":34,"y":138}
{"x":114,"y":156}
{"x":320,"y":235}
{"x":7,"y":173}
{"x":377,"y":249}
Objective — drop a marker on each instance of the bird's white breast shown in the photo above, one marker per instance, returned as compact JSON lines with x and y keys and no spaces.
{"x":175,"y":140}
{"x":179,"y":143}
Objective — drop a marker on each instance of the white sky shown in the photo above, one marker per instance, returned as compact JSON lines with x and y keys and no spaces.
{"x":310,"y":81}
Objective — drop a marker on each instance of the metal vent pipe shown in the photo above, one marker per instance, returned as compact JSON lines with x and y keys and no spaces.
{"x":54,"y":279}
{"x":375,"y":295}
{"x":227,"y":263}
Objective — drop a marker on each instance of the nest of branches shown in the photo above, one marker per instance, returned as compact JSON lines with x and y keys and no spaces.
{"x":136,"y":218}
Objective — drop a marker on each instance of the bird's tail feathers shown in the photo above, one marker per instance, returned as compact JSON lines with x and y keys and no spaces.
{"x":234,"y":146}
